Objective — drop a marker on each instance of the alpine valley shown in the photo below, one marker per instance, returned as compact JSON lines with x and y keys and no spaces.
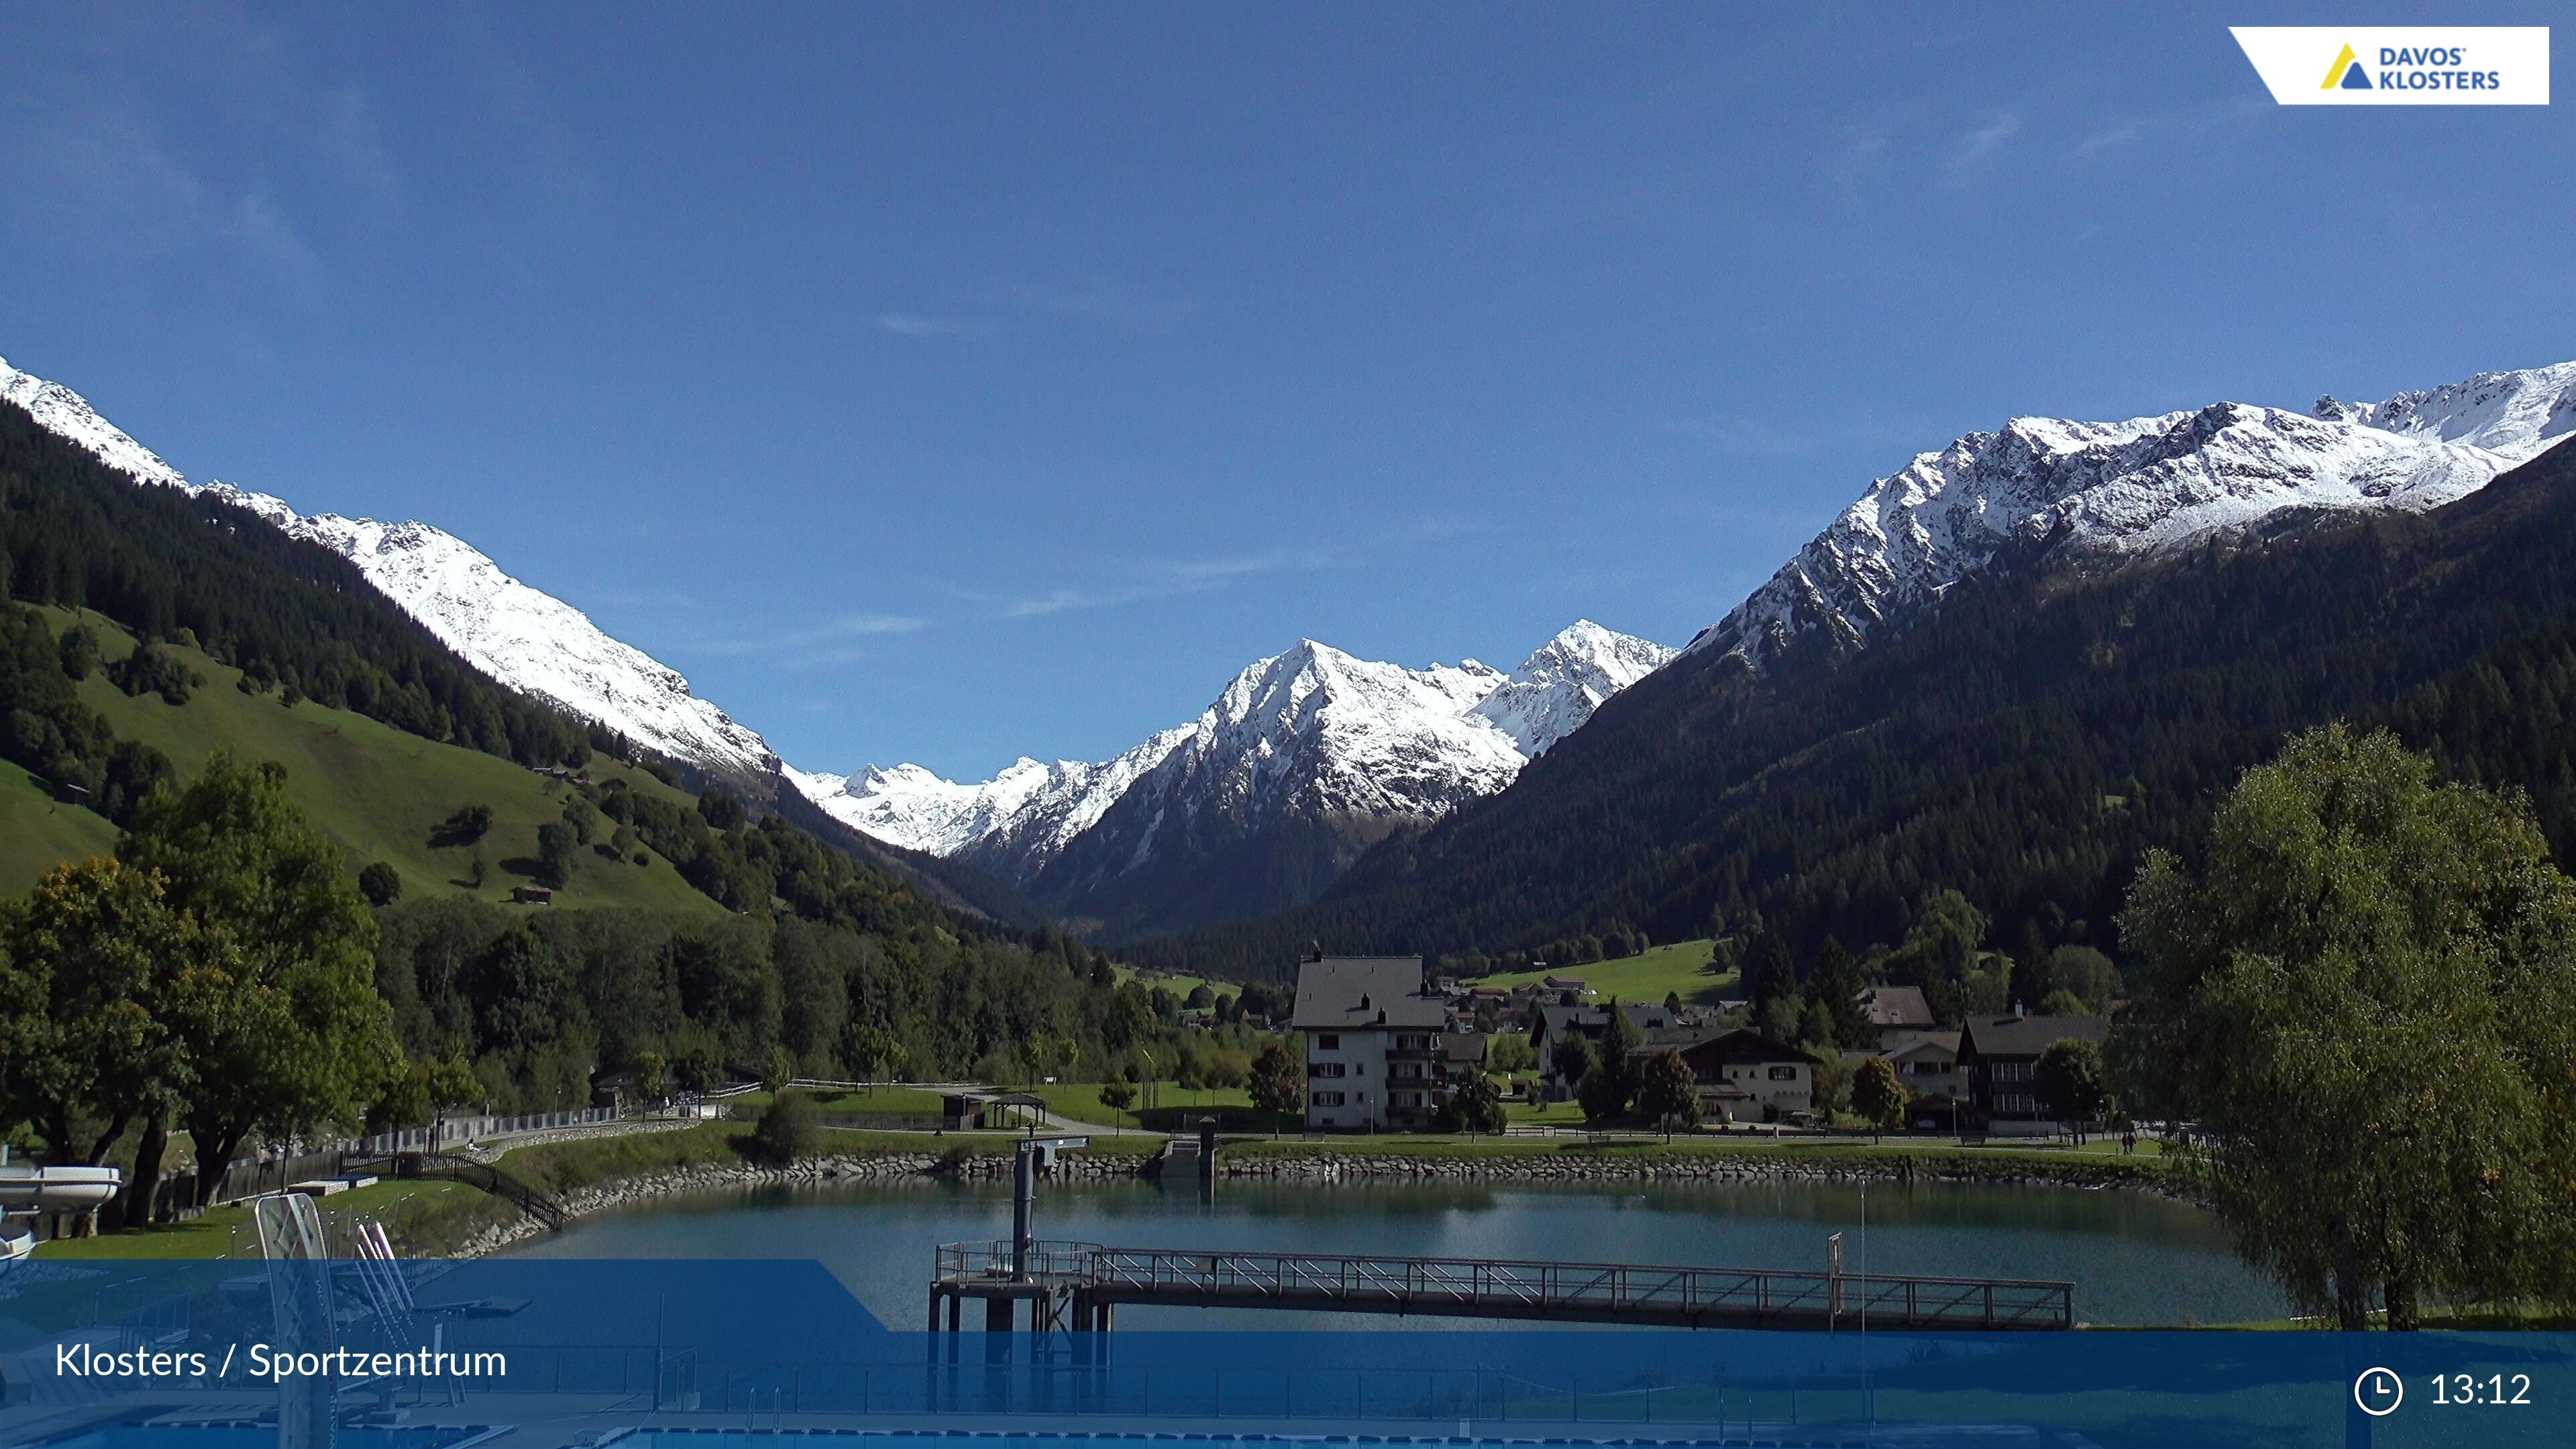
{"x":2015,"y":666}
{"x":1972,"y":611}
{"x":1302,"y":762}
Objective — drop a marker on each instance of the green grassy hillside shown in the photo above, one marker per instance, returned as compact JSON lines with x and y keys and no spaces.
{"x":378,"y":791}
{"x":1648,"y":976}
{"x":35,"y":832}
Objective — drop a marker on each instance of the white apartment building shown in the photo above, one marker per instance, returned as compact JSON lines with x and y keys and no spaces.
{"x":1370,"y":1032}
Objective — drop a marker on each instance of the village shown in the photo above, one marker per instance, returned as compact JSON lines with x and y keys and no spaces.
{"x":1388,"y":1048}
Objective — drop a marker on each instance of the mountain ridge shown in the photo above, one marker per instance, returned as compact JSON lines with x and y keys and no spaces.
{"x":2093,"y":494}
{"x":1312,"y":732}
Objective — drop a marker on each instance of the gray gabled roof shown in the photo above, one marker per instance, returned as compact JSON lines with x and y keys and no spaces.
{"x":2026,"y":1036}
{"x":1357,"y":993}
{"x":1896,"y":1006}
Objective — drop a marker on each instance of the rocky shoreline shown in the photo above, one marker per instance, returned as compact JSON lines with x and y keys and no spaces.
{"x":1355,"y":1169}
{"x":1386,"y":1167}
{"x":849,"y":1168}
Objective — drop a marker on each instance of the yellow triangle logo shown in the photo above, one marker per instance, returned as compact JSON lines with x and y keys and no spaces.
{"x":2334,"y":72}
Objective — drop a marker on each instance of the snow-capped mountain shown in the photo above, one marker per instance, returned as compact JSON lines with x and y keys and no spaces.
{"x":519,"y":635}
{"x":1009,"y":824}
{"x":2113,"y":492}
{"x":537,"y":643}
{"x":1313,"y":733}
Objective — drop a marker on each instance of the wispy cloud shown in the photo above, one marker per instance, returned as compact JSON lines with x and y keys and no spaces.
{"x":2167,"y":131}
{"x":853,"y":626}
{"x":1158,"y":579}
{"x":905,"y":324}
{"x":1979,"y":147}
{"x":818,"y":642}
{"x":2106,"y":142}
{"x":1101,"y":301}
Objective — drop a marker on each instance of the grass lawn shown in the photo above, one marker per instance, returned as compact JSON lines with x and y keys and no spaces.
{"x":1179,"y":986}
{"x":843,"y":1102}
{"x":1179,"y":1110}
{"x":1648,"y":976}
{"x":406,"y":1208}
{"x":1547,"y":1114}
{"x":378,"y":791}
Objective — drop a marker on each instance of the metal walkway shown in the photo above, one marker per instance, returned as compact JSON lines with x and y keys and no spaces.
{"x":1079,"y":1285}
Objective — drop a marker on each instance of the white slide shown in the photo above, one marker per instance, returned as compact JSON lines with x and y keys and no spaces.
{"x":25,"y":1189}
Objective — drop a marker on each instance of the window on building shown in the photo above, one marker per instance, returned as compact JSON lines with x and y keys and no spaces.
{"x":1784,"y":1074}
{"x":1328,"y":1041}
{"x":1328,"y":1099}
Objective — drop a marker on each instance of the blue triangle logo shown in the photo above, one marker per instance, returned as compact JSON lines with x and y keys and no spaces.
{"x":2355,"y":78}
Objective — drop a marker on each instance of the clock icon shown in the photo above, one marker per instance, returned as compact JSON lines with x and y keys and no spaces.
{"x":2378,"y":1392}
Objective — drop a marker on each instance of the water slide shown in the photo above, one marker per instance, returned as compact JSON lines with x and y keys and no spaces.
{"x":27,"y":1190}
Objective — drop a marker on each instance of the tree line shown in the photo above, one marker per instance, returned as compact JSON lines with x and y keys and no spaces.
{"x":221,"y":974}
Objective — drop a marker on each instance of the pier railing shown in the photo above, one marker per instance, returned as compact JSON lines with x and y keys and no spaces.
{"x":1487,"y":1288}
{"x":1049,"y":1261}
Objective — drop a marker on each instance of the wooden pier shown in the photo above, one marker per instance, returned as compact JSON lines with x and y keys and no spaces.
{"x":1079,"y":1286}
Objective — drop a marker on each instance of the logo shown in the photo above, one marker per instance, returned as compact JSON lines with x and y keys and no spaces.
{"x":2420,"y":65}
{"x":2346,"y":74}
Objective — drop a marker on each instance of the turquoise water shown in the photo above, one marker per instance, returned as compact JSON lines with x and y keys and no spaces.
{"x":2135,"y":1258}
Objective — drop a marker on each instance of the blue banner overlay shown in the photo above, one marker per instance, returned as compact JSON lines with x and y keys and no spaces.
{"x":663,"y":1354}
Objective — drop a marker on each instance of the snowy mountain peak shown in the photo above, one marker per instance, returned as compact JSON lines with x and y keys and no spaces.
{"x":2515,"y":414}
{"x":2054,"y":488}
{"x":1313,"y":730}
{"x":1564,"y":680}
{"x":519,"y":635}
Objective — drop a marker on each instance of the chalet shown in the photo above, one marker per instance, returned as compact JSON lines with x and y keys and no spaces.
{"x":1927,"y":1066}
{"x":1361,"y":1016}
{"x":528,"y":895}
{"x":1897,"y":1011}
{"x":1997,"y":1055}
{"x":1743,"y":1076}
{"x":1551,"y":1023}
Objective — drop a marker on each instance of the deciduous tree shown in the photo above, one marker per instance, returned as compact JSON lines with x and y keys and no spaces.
{"x":295,"y":1037}
{"x":1878,"y":1096}
{"x":2362,"y":996}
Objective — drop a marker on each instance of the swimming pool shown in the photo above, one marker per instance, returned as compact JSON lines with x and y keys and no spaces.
{"x":1080,"y":1440}
{"x":248,"y":1435}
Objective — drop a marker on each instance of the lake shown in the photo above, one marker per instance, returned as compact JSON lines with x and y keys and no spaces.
{"x":2134,"y":1258}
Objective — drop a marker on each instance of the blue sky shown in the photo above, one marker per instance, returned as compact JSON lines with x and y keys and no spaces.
{"x":949,"y":382}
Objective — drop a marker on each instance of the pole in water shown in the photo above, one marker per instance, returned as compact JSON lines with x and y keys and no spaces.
{"x":1024,"y":1180}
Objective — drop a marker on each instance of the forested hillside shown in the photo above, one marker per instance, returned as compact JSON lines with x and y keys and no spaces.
{"x":154,"y":636}
{"x":2023,"y":746}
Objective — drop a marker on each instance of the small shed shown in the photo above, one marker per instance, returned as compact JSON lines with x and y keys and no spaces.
{"x":528,"y":895}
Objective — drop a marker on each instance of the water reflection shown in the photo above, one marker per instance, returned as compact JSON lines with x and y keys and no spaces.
{"x":2135,"y":1258}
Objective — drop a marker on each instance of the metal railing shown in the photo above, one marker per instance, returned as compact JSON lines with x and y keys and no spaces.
{"x":1049,"y":1261}
{"x":1485,"y":1287}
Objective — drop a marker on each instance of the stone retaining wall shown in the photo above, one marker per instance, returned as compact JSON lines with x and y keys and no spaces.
{"x":807,"y":1172}
{"x":1356,"y":1169}
{"x":1386,"y":1167}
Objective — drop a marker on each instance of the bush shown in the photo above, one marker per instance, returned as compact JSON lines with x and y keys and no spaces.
{"x":380,"y":884}
{"x":788,"y":1128}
